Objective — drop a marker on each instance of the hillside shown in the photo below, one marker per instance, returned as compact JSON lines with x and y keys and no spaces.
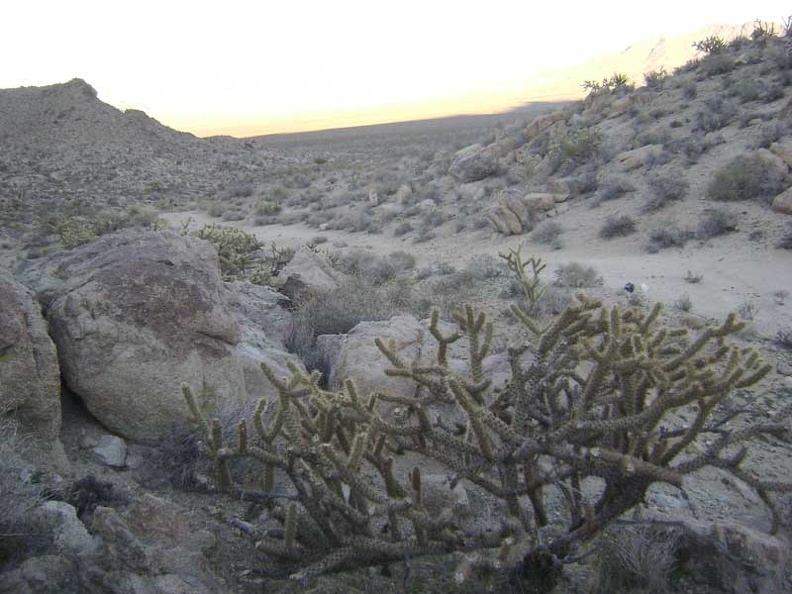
{"x":591,"y":448}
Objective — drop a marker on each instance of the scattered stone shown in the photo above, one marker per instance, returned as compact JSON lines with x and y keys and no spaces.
{"x":637,"y":158}
{"x":783,"y":153}
{"x":783,"y":202}
{"x":70,"y":536}
{"x":784,"y":368}
{"x":111,"y":451}
{"x":119,"y":540}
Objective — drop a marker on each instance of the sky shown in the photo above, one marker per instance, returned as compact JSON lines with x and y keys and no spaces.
{"x":254,"y":67}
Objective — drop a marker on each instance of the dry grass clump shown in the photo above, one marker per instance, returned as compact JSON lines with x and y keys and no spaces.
{"x":617,"y":226}
{"x":636,"y":558}
{"x":613,"y":188}
{"x":715,"y":222}
{"x":667,"y":235}
{"x":547,"y":232}
{"x":18,"y":495}
{"x":668,"y":187}
{"x":577,"y":276}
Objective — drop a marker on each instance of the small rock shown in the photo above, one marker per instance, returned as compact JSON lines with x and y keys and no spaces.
{"x":784,"y":368}
{"x":111,"y":451}
{"x":783,"y":202}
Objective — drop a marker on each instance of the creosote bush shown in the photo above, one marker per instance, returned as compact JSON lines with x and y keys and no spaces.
{"x":665,"y":188}
{"x":594,"y":395}
{"x":715,"y":222}
{"x":547,"y":232}
{"x":667,"y":235}
{"x":577,"y":276}
{"x":617,"y":226}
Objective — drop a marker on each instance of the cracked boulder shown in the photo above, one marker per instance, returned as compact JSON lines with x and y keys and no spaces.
{"x":137,"y":314}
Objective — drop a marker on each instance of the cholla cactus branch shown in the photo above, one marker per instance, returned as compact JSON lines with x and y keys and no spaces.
{"x":595,"y":393}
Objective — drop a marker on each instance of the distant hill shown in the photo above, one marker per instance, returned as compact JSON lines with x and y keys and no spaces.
{"x":61,"y":141}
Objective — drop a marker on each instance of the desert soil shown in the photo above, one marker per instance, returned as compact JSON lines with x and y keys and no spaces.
{"x":734,"y":272}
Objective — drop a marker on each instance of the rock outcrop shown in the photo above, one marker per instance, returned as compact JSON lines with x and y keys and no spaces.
{"x":308,"y":272}
{"x":474,"y":163}
{"x":515,"y":214}
{"x":148,"y":550}
{"x":29,"y":373}
{"x":136,"y":314}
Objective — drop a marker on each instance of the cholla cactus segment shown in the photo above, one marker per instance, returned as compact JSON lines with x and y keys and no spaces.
{"x":596,"y":394}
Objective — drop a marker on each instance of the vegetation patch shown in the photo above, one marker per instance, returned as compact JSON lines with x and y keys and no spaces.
{"x":747,"y":177}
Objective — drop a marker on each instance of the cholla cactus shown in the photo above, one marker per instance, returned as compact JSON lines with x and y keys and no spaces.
{"x":595,"y":395}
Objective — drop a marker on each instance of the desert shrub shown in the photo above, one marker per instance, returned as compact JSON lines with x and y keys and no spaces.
{"x":665,"y":188}
{"x":747,"y":177}
{"x":339,"y":310}
{"x":402,"y":228}
{"x":783,"y":338}
{"x":216,"y":210}
{"x":238,"y":190}
{"x":402,"y":260}
{"x":762,"y":32}
{"x":367,"y":265}
{"x":716,"y":64}
{"x":768,"y":133}
{"x":683,"y":303}
{"x":691,"y":147}
{"x":233,"y":215}
{"x":265,"y":208}
{"x":714,"y":115}
{"x":715,"y":222}
{"x":689,"y":88}
{"x":547,"y":232}
{"x":87,"y":493}
{"x":655,"y":79}
{"x":785,"y":242}
{"x":617,"y":226}
{"x":656,"y":135}
{"x":278,"y":193}
{"x":551,"y":429}
{"x":692,"y":278}
{"x":617,"y":83}
{"x":241,"y":254}
{"x":613,"y":188}
{"x":574,"y":147}
{"x":575,"y":275}
{"x":484,"y":266}
{"x":710,"y":45}
{"x":73,"y":231}
{"x":667,"y":235}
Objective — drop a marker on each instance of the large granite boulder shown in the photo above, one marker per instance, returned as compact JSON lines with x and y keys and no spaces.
{"x":136,"y":314}
{"x":309,"y":272}
{"x":29,"y":373}
{"x":358,"y":358}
